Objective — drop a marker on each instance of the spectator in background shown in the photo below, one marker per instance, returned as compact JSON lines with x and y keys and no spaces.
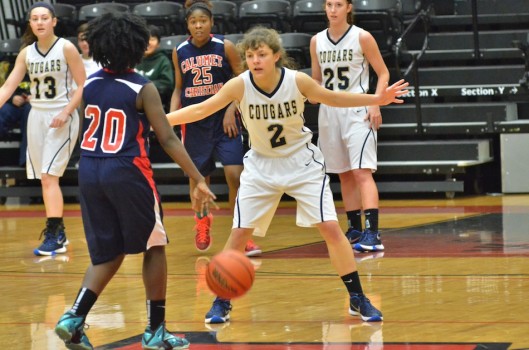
{"x":90,"y":65}
{"x":156,"y":67}
{"x":14,"y":114}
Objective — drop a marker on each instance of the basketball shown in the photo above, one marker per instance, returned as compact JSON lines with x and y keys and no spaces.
{"x":230,"y":274}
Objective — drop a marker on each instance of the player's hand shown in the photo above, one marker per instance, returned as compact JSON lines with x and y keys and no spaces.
{"x":203,"y":198}
{"x":230,"y":123}
{"x":59,"y":120}
{"x":18,"y":100}
{"x":374,"y":117}
{"x":391,"y":93}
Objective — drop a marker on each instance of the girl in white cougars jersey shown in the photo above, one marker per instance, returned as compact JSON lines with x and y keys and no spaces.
{"x":340,"y":57}
{"x":282,"y":158}
{"x":53,"y":123}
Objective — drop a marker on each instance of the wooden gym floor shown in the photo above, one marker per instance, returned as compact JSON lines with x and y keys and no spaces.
{"x":454,"y":276}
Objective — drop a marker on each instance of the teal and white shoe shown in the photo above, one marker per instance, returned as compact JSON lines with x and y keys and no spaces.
{"x":161,"y":339}
{"x":70,"y":329}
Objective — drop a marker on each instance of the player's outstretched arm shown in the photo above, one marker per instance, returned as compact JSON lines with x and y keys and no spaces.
{"x":231,"y":91}
{"x":151,"y":103}
{"x":314,"y":92}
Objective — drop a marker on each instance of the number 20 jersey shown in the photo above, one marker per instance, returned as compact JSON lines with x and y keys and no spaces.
{"x":112,"y":127}
{"x":51,"y":79}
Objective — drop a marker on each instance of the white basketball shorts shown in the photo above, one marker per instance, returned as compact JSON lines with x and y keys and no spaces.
{"x":346,"y":140}
{"x":49,"y":149}
{"x":264,"y":180}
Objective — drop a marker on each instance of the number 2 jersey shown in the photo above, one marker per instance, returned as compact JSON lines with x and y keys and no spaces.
{"x":51,"y":79}
{"x":112,"y":127}
{"x":275,"y":122}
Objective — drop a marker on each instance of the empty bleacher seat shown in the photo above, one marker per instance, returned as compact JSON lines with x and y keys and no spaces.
{"x":308,"y":16}
{"x":447,"y":118}
{"x":459,"y":46}
{"x":66,"y":20}
{"x":234,"y":37}
{"x":297,"y":46}
{"x":168,"y":43}
{"x":88,"y":12}
{"x":512,"y":14}
{"x":9,"y":49}
{"x":271,"y":13}
{"x":224,"y":17}
{"x":382,"y":18}
{"x":169,"y":16}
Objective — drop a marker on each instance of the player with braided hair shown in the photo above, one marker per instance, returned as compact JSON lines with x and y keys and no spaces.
{"x":120,"y":204}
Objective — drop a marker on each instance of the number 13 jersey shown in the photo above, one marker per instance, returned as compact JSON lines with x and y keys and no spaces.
{"x":51,"y":79}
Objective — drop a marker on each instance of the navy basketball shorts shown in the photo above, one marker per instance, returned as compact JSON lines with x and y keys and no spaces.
{"x":120,"y":207}
{"x":205,"y":148}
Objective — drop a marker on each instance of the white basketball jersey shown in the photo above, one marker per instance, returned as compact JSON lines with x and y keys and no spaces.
{"x":275,"y":121}
{"x":343,"y":65}
{"x":51,"y":79}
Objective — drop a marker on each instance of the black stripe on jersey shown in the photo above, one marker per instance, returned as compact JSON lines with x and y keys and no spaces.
{"x":49,"y":50}
{"x":237,"y":207}
{"x":364,"y":66}
{"x":325,"y":177}
{"x":66,"y":142}
{"x":308,"y":145}
{"x":269,"y":95}
{"x":370,"y":133}
{"x":343,"y":36}
{"x":66,"y":80}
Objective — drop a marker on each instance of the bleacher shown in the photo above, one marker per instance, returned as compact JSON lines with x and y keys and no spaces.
{"x":467,"y":64}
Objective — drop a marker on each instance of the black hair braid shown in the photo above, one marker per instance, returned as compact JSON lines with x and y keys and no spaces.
{"x":117,"y":40}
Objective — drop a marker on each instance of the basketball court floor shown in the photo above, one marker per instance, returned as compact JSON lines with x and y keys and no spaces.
{"x":455,"y":275}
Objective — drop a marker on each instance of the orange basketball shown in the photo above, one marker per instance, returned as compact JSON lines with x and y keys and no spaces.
{"x":230,"y":274}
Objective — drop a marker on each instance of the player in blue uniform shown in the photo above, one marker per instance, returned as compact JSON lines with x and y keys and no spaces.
{"x":203,"y":64}
{"x":120,"y":204}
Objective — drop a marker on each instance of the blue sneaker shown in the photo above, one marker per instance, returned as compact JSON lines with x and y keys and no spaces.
{"x":353,"y":235}
{"x":54,"y":242}
{"x":70,"y":329}
{"x":359,"y":304}
{"x":219,"y":312}
{"x":61,"y":237}
{"x":370,"y":242}
{"x":161,"y":339}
